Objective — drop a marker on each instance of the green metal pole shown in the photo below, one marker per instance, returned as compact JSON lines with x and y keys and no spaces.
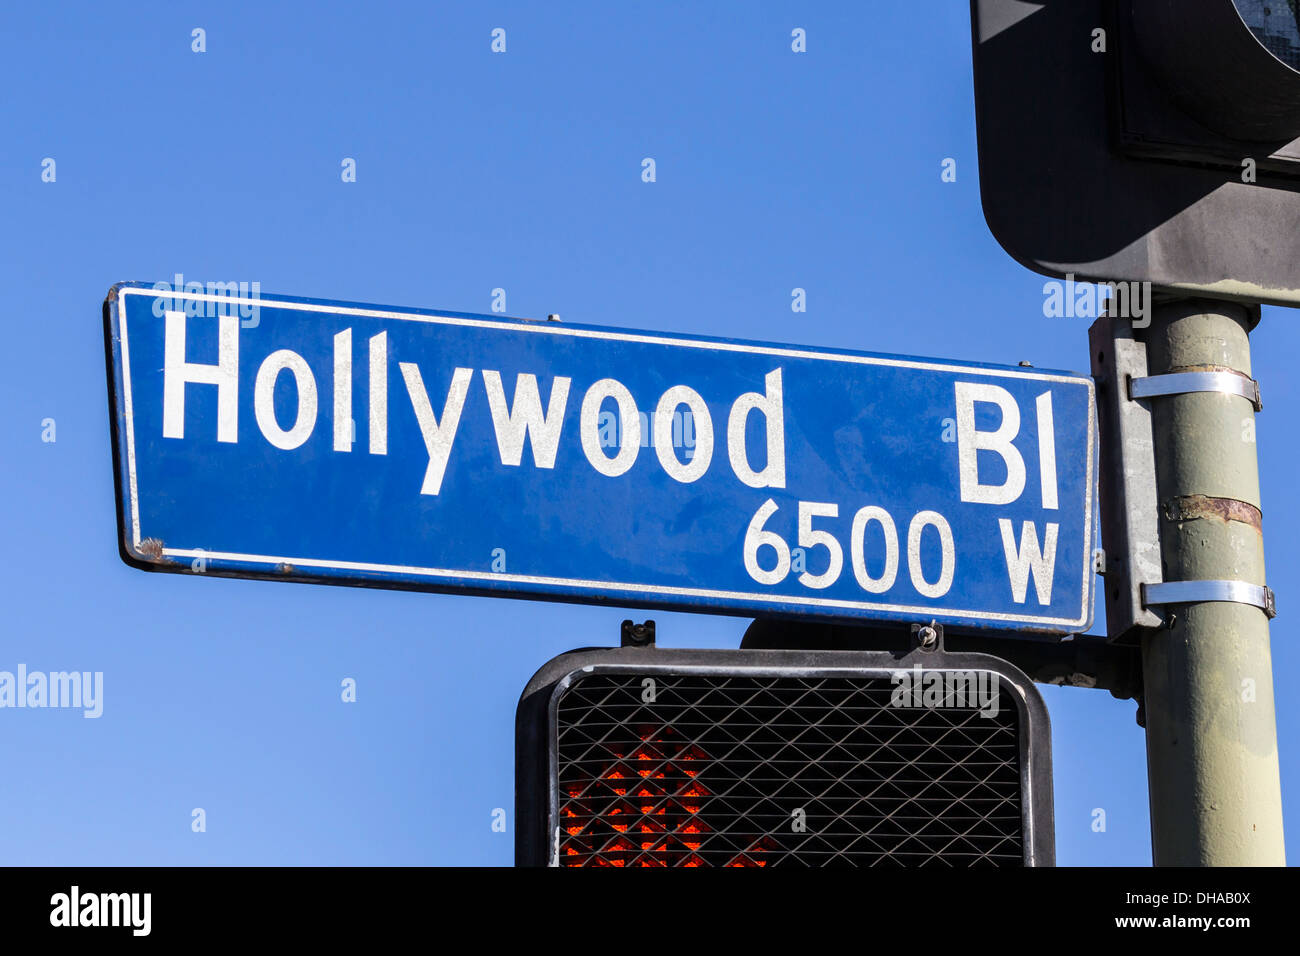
{"x":1212,"y":763}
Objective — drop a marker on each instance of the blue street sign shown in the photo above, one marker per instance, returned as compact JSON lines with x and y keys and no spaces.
{"x":308,"y":440}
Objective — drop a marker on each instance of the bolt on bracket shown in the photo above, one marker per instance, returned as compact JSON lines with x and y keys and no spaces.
{"x":929,"y":637}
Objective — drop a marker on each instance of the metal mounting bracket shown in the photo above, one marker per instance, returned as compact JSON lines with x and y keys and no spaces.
{"x":632,"y":634}
{"x":1130,"y":515}
{"x":1180,"y":383}
{"x":1195,"y":592}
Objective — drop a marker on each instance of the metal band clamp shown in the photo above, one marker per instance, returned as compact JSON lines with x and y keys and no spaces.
{"x":1180,"y":383}
{"x":1195,"y":592}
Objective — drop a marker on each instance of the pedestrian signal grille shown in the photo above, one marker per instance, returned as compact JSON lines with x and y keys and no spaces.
{"x":709,"y":769}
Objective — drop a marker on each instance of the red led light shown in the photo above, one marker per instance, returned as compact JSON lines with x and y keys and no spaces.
{"x":653,"y":823}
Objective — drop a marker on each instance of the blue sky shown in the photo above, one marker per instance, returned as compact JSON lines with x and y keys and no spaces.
{"x":475,"y":171}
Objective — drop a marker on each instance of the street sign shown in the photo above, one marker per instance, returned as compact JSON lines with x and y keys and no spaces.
{"x":307,"y":440}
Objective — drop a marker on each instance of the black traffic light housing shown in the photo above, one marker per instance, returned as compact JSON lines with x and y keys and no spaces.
{"x":1143,"y":140}
{"x":642,"y":756}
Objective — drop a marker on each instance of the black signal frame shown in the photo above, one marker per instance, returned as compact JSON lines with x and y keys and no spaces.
{"x":537,"y":797}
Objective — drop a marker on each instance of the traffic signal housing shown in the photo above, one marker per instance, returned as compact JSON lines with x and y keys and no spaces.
{"x":643,"y":757}
{"x":1144,"y":141}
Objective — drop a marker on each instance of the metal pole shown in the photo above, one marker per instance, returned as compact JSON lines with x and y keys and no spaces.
{"x":1212,"y":763}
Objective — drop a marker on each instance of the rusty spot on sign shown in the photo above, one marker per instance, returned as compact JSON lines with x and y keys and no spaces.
{"x":1193,"y":507}
{"x":151,"y":549}
{"x":285,"y":567}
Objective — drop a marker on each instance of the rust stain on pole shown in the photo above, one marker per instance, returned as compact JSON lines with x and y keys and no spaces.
{"x":1194,"y":507}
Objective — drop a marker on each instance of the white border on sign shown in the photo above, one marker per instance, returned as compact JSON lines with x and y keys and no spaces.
{"x":551,"y":328}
